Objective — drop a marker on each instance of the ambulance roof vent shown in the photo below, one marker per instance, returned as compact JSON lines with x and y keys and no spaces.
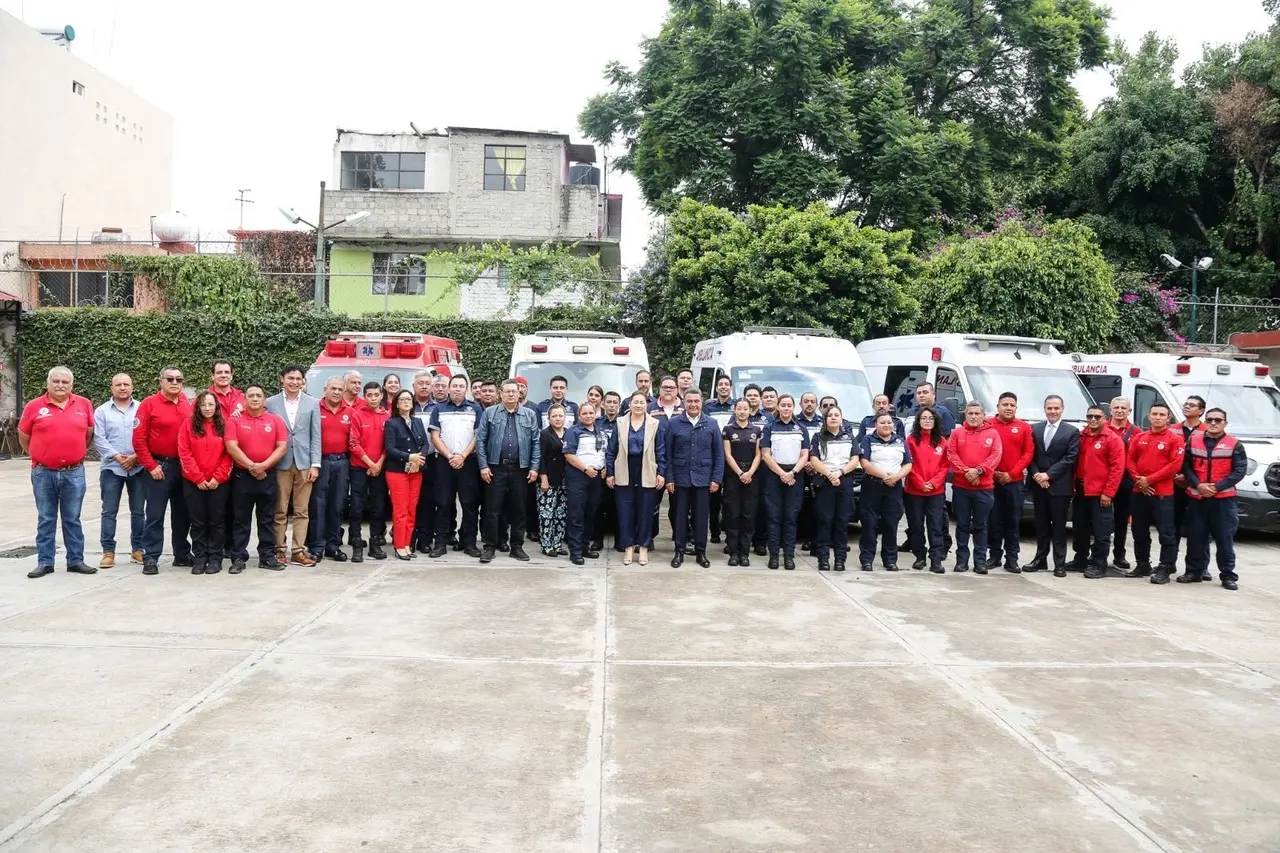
{"x":789,"y":330}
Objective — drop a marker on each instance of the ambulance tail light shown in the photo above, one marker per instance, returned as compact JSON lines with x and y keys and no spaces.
{"x":1183,"y":369}
{"x":627,"y":351}
{"x":1134,"y":372}
{"x":1261,"y":370}
{"x":340,"y":349}
{"x":580,"y":349}
{"x":936,"y":354}
{"x":391,"y":350}
{"x":538,"y":348}
{"x":410,"y":350}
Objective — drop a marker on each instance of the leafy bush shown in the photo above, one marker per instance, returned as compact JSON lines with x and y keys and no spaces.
{"x":97,"y":343}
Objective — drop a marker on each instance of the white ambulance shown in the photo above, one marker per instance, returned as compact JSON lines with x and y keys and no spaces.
{"x":791,"y":360}
{"x":583,"y":358}
{"x":1235,"y":383}
{"x":975,"y":367}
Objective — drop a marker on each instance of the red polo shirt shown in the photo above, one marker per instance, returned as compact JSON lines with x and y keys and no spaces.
{"x":1016,"y":447}
{"x":257,"y":435}
{"x":57,"y":432}
{"x":335,"y":428}
{"x":228,"y":401}
{"x":156,"y":428}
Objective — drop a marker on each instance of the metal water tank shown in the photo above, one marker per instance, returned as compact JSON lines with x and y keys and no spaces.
{"x":584,"y":173}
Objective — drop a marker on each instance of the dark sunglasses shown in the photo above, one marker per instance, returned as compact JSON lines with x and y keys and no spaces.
{"x":173,"y":379}
{"x":1094,"y":417}
{"x":1215,"y":420}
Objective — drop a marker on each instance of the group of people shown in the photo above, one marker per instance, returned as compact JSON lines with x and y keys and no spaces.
{"x":764,"y":469}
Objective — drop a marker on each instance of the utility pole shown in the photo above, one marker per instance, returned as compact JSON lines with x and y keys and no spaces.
{"x":241,"y":198}
{"x":319,"y":295}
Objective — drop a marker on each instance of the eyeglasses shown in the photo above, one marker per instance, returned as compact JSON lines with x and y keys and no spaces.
{"x":1215,"y":420}
{"x":173,"y":379}
{"x":1094,"y":417}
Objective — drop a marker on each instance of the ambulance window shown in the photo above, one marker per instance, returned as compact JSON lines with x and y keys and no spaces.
{"x":1103,"y":389}
{"x":1144,"y":397}
{"x":950,"y":392}
{"x":707,"y":382}
{"x":900,"y":384}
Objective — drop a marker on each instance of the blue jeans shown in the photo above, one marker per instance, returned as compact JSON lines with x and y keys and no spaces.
{"x":973,"y":509}
{"x":112,"y":486}
{"x":328,"y":496}
{"x":58,"y":493}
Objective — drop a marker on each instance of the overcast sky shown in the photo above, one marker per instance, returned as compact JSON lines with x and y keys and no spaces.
{"x":257,"y":89}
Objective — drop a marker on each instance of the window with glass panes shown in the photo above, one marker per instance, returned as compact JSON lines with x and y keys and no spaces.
{"x":504,"y":167}
{"x":377,"y":170}
{"x":398,"y":273}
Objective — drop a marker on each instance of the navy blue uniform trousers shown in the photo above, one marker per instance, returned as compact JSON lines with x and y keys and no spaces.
{"x":782,"y":509}
{"x":832,"y":512}
{"x":582,"y":501}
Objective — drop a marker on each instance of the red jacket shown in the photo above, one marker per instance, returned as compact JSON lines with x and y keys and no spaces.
{"x":1018,"y":447}
{"x":204,"y":457}
{"x":1157,"y":456}
{"x":928,"y":464}
{"x":1100,"y":465}
{"x":974,"y":447}
{"x":366,"y":434}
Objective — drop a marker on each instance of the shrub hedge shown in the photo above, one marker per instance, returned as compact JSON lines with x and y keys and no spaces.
{"x":97,"y":343}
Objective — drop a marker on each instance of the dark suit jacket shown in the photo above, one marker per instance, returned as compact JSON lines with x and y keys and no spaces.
{"x":1058,"y":460}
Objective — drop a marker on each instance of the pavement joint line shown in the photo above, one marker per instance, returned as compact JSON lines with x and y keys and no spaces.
{"x":593,"y":768}
{"x":1133,"y":825}
{"x":1174,"y":639}
{"x":52,"y":807}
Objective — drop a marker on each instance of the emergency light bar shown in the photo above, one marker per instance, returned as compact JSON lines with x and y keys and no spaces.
{"x":1261,"y":370}
{"x":1042,"y":345}
{"x":789,"y":330}
{"x":574,"y":333}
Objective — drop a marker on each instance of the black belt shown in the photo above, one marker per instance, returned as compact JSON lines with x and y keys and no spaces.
{"x":164,"y":458}
{"x":507,"y":464}
{"x":332,"y":457}
{"x":63,"y":468}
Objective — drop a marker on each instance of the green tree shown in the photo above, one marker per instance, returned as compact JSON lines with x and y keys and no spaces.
{"x":895,"y":111}
{"x":1141,"y":170}
{"x":1023,"y":278}
{"x":717,"y":272}
{"x":227,"y":286}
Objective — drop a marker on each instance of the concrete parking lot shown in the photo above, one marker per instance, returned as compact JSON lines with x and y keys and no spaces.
{"x":446,"y":706}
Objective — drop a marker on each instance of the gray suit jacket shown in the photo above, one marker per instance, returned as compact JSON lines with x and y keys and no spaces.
{"x":304,"y":437}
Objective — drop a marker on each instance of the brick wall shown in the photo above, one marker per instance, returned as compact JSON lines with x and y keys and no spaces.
{"x":489,"y":298}
{"x":401,"y":213}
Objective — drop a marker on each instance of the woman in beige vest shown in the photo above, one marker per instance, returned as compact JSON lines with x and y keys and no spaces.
{"x":636,"y":464}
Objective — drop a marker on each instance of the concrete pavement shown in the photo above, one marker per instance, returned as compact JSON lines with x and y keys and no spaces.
{"x":443,"y":705}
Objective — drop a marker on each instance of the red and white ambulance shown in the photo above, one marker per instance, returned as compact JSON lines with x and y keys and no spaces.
{"x":376,"y":355}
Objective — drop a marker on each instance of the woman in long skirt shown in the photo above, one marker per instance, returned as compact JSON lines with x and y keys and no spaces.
{"x":551,"y":493}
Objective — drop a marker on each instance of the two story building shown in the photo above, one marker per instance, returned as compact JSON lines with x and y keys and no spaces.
{"x":428,"y":191}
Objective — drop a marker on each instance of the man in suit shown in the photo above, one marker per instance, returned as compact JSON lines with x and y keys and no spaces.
{"x":300,"y":467}
{"x":1052,"y":473}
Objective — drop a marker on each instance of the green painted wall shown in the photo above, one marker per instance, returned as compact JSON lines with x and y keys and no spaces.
{"x":351,"y":287}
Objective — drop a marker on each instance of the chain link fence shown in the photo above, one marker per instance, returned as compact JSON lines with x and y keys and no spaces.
{"x":1214,"y":319}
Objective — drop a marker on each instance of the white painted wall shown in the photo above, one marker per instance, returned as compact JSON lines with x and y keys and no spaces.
{"x":488,"y":298}
{"x":108,"y":150}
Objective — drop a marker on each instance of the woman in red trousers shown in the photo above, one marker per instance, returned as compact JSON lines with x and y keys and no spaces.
{"x":206,"y":470}
{"x":406,"y":445}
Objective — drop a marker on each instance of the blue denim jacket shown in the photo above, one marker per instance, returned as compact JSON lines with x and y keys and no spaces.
{"x":493,"y":428}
